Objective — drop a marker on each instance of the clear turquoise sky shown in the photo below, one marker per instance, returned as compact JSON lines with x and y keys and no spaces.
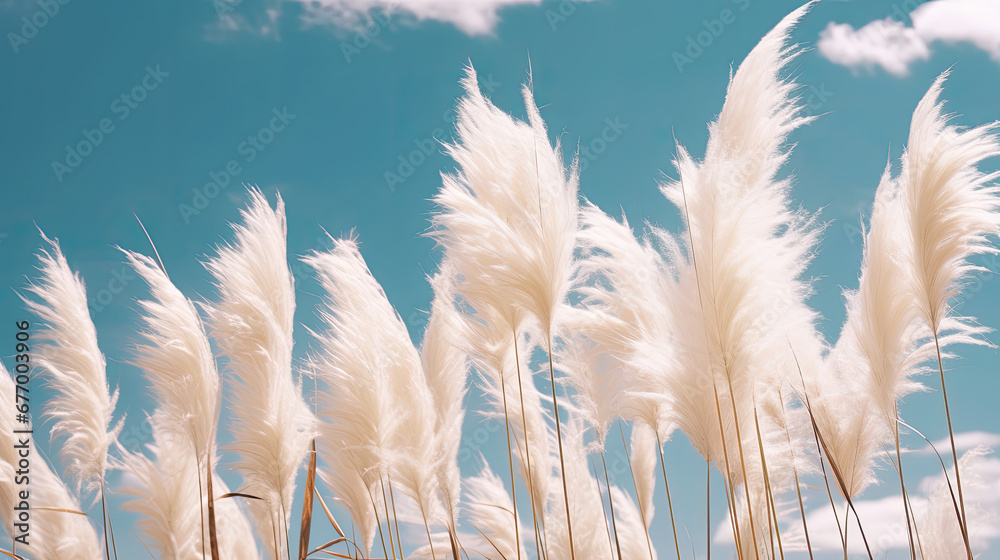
{"x":343,"y":106}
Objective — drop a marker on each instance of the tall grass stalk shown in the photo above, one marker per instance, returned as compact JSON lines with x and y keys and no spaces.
{"x":906,"y":503}
{"x":963,"y":523}
{"x":536,"y":509}
{"x":642,"y":509}
{"x":767,"y":487}
{"x":510,"y":458}
{"x":562,"y":461}
{"x":607,"y":481}
{"x":670,"y":505}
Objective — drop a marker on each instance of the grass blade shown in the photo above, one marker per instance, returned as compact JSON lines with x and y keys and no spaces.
{"x":307,"y":504}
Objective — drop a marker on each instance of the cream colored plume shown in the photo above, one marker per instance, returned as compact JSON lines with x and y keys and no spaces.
{"x":252,"y":324}
{"x":82,"y":405}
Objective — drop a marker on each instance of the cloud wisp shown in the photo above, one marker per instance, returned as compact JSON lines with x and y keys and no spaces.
{"x":895,"y":44}
{"x":472,"y":17}
{"x":884,"y":520}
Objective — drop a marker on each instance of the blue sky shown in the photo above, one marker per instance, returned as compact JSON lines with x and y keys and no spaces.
{"x":339,"y":106}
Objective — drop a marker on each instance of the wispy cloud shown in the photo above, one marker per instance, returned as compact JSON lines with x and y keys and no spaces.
{"x":894,"y":45}
{"x":963,"y":442}
{"x":884,"y":520}
{"x":472,"y":17}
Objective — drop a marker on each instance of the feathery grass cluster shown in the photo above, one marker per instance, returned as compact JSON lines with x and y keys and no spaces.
{"x":571,"y":328}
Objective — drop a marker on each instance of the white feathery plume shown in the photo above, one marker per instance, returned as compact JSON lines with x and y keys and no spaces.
{"x":179,"y":363}
{"x":82,"y":405}
{"x":643,"y":455}
{"x":446,"y":368}
{"x":742,"y":323}
{"x":853,"y":396}
{"x":881,"y":313}
{"x":352,"y":474}
{"x":442,"y":545}
{"x":508,"y":219}
{"x":377,"y":405}
{"x":168,"y":502}
{"x":166,"y":498}
{"x":491,"y":511}
{"x":54,"y":535}
{"x":355,"y":413}
{"x":508,"y":216}
{"x":624,"y":286}
{"x":742,"y":301}
{"x":632,"y":535}
{"x":252,"y":324}
{"x":693,"y":390}
{"x":940,"y":533}
{"x":181,"y":368}
{"x":951,"y":209}
{"x":598,"y":380}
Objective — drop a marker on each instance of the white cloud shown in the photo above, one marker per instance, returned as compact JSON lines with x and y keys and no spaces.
{"x":473,"y":17}
{"x":234,"y":18}
{"x":894,"y":46}
{"x":885,"y":523}
{"x":883,"y":518}
{"x":884,"y":43}
{"x":368,"y":17}
{"x":964,"y":441}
